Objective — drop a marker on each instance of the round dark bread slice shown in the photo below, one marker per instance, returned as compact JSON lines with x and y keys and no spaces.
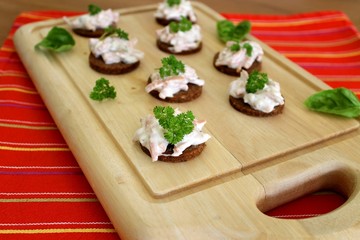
{"x":189,"y":153}
{"x":193,"y":92}
{"x":241,"y":106}
{"x":165,"y":47}
{"x":232,"y":71}
{"x":90,"y":33}
{"x":165,"y":22}
{"x":99,"y":65}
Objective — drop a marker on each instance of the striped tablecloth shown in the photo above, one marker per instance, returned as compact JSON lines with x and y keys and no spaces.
{"x":43,"y":192}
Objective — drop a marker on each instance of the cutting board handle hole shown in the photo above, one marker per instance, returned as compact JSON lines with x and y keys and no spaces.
{"x":312,"y":197}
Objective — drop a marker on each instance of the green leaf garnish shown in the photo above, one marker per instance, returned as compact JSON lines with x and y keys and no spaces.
{"x":171,"y":66}
{"x":236,"y":47}
{"x":57,"y":40}
{"x":248,"y":48}
{"x":184,"y":25}
{"x":173,"y":2}
{"x":102,"y":90}
{"x":227,"y":31}
{"x":176,"y":127}
{"x":112,"y":31}
{"x":339,"y":101}
{"x":256,"y":81}
{"x":93,"y":9}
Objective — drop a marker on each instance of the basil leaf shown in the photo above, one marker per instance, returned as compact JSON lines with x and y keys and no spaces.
{"x":338,"y":101}
{"x":241,"y":30}
{"x":227,"y":31}
{"x":224,"y":30}
{"x":57,"y":40}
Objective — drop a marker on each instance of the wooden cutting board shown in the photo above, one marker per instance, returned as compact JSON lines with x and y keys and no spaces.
{"x":250,"y":164}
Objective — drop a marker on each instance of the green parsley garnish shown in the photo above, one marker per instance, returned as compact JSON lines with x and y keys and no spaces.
{"x":248,"y":48}
{"x":171,"y":66}
{"x":256,"y":81}
{"x":112,"y":31}
{"x":339,"y":101}
{"x":173,"y":2}
{"x":102,"y":90}
{"x":176,"y":127}
{"x":235,"y":47}
{"x":93,"y":9}
{"x":227,"y":31}
{"x":184,"y":25}
{"x":57,"y":40}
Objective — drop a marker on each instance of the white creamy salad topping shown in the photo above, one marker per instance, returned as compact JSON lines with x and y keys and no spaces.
{"x":239,"y":59}
{"x":184,"y":9}
{"x":102,"y":20}
{"x":113,"y":49}
{"x":264,"y":100}
{"x":180,"y":41}
{"x":171,"y":85}
{"x":151,"y":136}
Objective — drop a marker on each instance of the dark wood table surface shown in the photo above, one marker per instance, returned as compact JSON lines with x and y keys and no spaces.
{"x":10,"y":9}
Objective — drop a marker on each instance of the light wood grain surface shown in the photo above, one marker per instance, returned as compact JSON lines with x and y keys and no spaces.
{"x":10,"y":9}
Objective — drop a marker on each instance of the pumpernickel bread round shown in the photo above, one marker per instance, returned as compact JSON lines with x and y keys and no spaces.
{"x":189,"y":153}
{"x":165,"y":47}
{"x":193,"y":92}
{"x":232,"y":71}
{"x":241,"y":106}
{"x":90,"y":33}
{"x":99,"y":65}
{"x":165,"y":22}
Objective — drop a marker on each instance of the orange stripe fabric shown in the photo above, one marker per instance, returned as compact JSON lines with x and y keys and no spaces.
{"x":44,"y":194}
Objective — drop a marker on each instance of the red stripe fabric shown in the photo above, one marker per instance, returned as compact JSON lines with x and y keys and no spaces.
{"x":44,"y":194}
{"x":295,"y":209}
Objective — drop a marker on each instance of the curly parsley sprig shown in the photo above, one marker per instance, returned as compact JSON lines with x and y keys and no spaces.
{"x":93,"y":9}
{"x":184,"y":25}
{"x":102,"y":90}
{"x":176,"y":126}
{"x":256,"y":81}
{"x":171,"y":66}
{"x":172,"y":3}
{"x":112,"y":31}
